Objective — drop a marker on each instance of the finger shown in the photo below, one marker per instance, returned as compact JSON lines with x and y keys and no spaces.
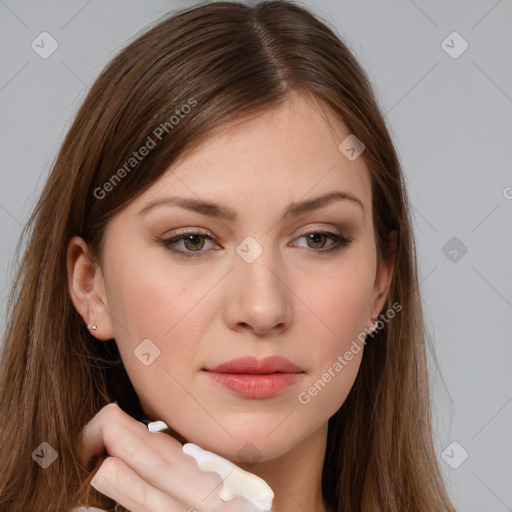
{"x":118,"y":481}
{"x":125,"y":438}
{"x":156,"y":457}
{"x":201,"y":487}
{"x":91,"y":441}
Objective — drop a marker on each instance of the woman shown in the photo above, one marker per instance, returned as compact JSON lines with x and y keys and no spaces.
{"x":228,"y":189}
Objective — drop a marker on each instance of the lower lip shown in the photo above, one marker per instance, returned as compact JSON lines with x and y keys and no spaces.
{"x":256,"y":386}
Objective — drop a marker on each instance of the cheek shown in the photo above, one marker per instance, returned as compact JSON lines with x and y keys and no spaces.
{"x":335,"y":357}
{"x":339,"y":308}
{"x":152,"y":298}
{"x":339,"y":302}
{"x":327,"y":390}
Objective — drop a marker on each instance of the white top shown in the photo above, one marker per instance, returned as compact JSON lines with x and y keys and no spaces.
{"x":87,"y":509}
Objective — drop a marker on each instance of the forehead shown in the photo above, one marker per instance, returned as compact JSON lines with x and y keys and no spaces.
{"x":276,"y":158}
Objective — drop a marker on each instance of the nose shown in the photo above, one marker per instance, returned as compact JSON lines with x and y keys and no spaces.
{"x":258,"y":295}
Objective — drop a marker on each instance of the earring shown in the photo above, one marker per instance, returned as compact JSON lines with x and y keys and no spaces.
{"x":94,"y":327}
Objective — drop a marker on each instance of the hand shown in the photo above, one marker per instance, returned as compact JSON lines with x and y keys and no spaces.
{"x":148,"y":471}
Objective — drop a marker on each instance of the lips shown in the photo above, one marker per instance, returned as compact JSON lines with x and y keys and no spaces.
{"x":256,"y":378}
{"x":252,"y":365}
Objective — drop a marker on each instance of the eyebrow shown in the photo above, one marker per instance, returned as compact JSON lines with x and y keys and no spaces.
{"x":224,"y":212}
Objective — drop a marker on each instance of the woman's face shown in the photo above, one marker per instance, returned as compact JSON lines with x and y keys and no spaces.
{"x":261,"y":286}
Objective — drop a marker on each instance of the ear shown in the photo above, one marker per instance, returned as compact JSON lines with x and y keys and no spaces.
{"x":87,"y":290}
{"x":384,"y":275}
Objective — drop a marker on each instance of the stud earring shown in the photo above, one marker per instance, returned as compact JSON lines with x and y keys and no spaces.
{"x":93,"y":327}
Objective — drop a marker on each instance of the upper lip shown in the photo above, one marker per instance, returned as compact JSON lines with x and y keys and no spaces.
{"x":252,"y":365}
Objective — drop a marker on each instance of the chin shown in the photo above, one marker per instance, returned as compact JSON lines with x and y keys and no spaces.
{"x":247,"y":450}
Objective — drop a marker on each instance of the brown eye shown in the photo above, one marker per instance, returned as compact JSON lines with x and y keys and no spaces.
{"x":193,"y":242}
{"x":317,"y":239}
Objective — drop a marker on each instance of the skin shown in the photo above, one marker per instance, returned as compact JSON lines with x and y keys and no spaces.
{"x":294,"y":300}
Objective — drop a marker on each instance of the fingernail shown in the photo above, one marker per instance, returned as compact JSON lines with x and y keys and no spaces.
{"x":96,"y":483}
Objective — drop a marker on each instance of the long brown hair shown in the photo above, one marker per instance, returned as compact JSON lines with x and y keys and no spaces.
{"x":215,"y":64}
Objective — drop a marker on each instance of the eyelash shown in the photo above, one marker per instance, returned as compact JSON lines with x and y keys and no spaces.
{"x":340,"y":242}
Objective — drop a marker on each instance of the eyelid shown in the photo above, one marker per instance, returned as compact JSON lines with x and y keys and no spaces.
{"x":190,"y":231}
{"x":206,"y":233}
{"x":319,"y":229}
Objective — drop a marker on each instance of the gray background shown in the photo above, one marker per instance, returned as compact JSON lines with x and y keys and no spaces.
{"x":451,"y":120}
